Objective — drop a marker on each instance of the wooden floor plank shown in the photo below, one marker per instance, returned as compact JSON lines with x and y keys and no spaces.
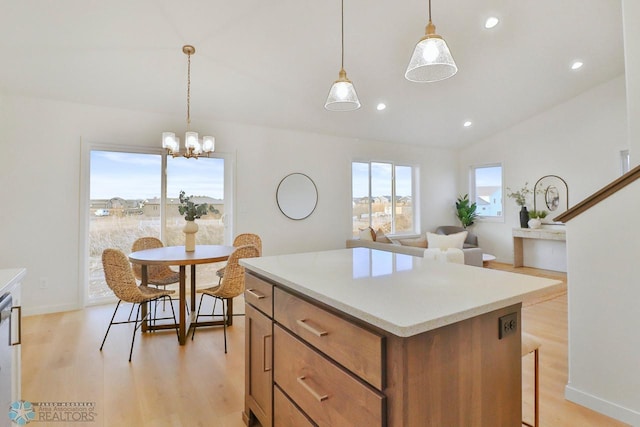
{"x":198,"y":385}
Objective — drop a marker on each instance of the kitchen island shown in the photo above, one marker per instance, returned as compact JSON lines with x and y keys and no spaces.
{"x":366,"y":337}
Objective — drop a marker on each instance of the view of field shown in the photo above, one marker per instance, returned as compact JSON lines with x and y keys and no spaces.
{"x":114,"y":231}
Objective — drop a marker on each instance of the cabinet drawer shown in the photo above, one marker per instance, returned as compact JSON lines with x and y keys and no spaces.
{"x":357,"y":349}
{"x":325,"y":392}
{"x":285,"y":413}
{"x":259,"y":294}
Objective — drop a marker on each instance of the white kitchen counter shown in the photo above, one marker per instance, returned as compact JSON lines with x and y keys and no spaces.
{"x":401,"y":294}
{"x":9,"y":277}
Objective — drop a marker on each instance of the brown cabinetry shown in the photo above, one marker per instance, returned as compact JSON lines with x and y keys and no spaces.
{"x":258,"y":353}
{"x":331,"y":369}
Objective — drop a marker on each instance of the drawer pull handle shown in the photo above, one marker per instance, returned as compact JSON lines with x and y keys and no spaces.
{"x":266,"y":353}
{"x":319,"y":397}
{"x":314,"y":331}
{"x":255,"y":294}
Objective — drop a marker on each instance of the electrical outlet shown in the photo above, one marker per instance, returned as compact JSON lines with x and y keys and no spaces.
{"x":44,"y":283}
{"x":508,"y":325}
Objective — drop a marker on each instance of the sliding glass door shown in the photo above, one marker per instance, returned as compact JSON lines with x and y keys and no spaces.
{"x":130,"y":197}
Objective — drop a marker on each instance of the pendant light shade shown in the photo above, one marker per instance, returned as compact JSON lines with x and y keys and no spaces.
{"x":342,"y":95}
{"x":431,"y":60}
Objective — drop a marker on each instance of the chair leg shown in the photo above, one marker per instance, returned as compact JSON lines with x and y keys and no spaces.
{"x":135,"y":328}
{"x":536,"y":391}
{"x":197,"y":315}
{"x":224,"y":324}
{"x":174,"y":314}
{"x":110,"y":323}
{"x":536,"y":420}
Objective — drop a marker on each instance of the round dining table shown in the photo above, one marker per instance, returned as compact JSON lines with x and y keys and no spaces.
{"x":178,"y":256}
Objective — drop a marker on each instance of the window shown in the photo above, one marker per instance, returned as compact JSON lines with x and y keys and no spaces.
{"x":127,"y":196}
{"x":383,"y":197}
{"x":486,"y":190}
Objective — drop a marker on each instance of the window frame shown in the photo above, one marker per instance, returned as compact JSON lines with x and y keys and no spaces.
{"x":473,"y":188}
{"x":415,"y":175}
{"x":84,"y":210}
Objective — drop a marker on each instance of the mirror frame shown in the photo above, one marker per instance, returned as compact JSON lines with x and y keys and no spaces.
{"x":282,"y":194}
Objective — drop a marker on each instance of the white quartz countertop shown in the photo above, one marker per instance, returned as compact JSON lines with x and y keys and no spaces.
{"x":9,"y":276}
{"x":401,"y":294}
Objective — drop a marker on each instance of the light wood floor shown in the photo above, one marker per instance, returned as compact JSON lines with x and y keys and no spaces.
{"x":198,"y":385}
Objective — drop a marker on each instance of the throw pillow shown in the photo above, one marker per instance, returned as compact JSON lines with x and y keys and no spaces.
{"x":380,"y":237}
{"x":444,"y":242}
{"x":367,"y":234}
{"x":418,"y":242}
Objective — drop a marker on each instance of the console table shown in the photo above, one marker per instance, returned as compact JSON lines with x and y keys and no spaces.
{"x":519,"y":234}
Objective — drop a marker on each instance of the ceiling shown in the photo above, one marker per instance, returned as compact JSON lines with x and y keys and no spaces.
{"x":271,"y":63}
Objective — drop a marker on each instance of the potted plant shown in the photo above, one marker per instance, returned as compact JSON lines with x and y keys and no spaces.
{"x":465,"y":210}
{"x":536,"y":218}
{"x":520,"y":196}
{"x":191,"y":211}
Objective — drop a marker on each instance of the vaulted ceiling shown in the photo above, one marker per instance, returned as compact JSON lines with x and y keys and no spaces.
{"x":271,"y":63}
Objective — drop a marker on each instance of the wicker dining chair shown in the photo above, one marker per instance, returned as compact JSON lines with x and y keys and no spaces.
{"x":231,"y":285}
{"x":157,"y":275}
{"x":120,"y":279}
{"x":241,"y":240}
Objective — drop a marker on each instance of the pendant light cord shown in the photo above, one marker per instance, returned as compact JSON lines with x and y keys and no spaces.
{"x":342,"y":32}
{"x":429,"y":10}
{"x":188,"y":90}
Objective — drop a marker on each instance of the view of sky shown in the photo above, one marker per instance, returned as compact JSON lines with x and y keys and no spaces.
{"x":138,"y":176}
{"x":380,"y":180}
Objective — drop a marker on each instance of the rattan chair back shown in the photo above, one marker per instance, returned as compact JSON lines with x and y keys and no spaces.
{"x":232,"y":283}
{"x":248,"y":239}
{"x":120,"y":278}
{"x":156,"y":274}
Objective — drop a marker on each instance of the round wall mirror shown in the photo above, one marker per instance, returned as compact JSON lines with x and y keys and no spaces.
{"x":297,"y":196}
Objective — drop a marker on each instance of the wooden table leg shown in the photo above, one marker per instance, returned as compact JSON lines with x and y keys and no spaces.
{"x":518,"y":256}
{"x":182,"y":322}
{"x":229,"y":311}
{"x":193,"y":287}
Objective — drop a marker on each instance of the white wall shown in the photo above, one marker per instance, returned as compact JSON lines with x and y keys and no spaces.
{"x":40,"y":175}
{"x":604,"y":343}
{"x":631,"y":29}
{"x":603,"y":272}
{"x":579,"y":140}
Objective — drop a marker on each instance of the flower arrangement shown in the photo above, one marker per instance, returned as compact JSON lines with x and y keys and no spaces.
{"x":191,"y":210}
{"x":520,"y":196}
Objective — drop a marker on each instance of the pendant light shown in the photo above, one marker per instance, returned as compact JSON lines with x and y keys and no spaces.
{"x":342,"y":95}
{"x":194,"y":147}
{"x":431,"y":60}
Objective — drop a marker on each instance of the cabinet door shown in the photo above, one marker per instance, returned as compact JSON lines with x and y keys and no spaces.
{"x":258,"y":366}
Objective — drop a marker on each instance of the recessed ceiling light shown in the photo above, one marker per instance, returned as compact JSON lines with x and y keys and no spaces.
{"x":491,"y":22}
{"x":381,"y":106}
{"x":576,"y":65}
{"x":467,"y":124}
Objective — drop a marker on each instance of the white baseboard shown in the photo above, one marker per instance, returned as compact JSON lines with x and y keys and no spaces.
{"x":47,"y":309}
{"x":605,"y":407}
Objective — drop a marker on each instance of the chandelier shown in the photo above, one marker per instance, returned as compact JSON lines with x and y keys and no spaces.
{"x":194,"y":147}
{"x":431,"y":60}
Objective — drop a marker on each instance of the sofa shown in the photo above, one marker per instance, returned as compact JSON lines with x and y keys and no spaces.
{"x":413,"y":246}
